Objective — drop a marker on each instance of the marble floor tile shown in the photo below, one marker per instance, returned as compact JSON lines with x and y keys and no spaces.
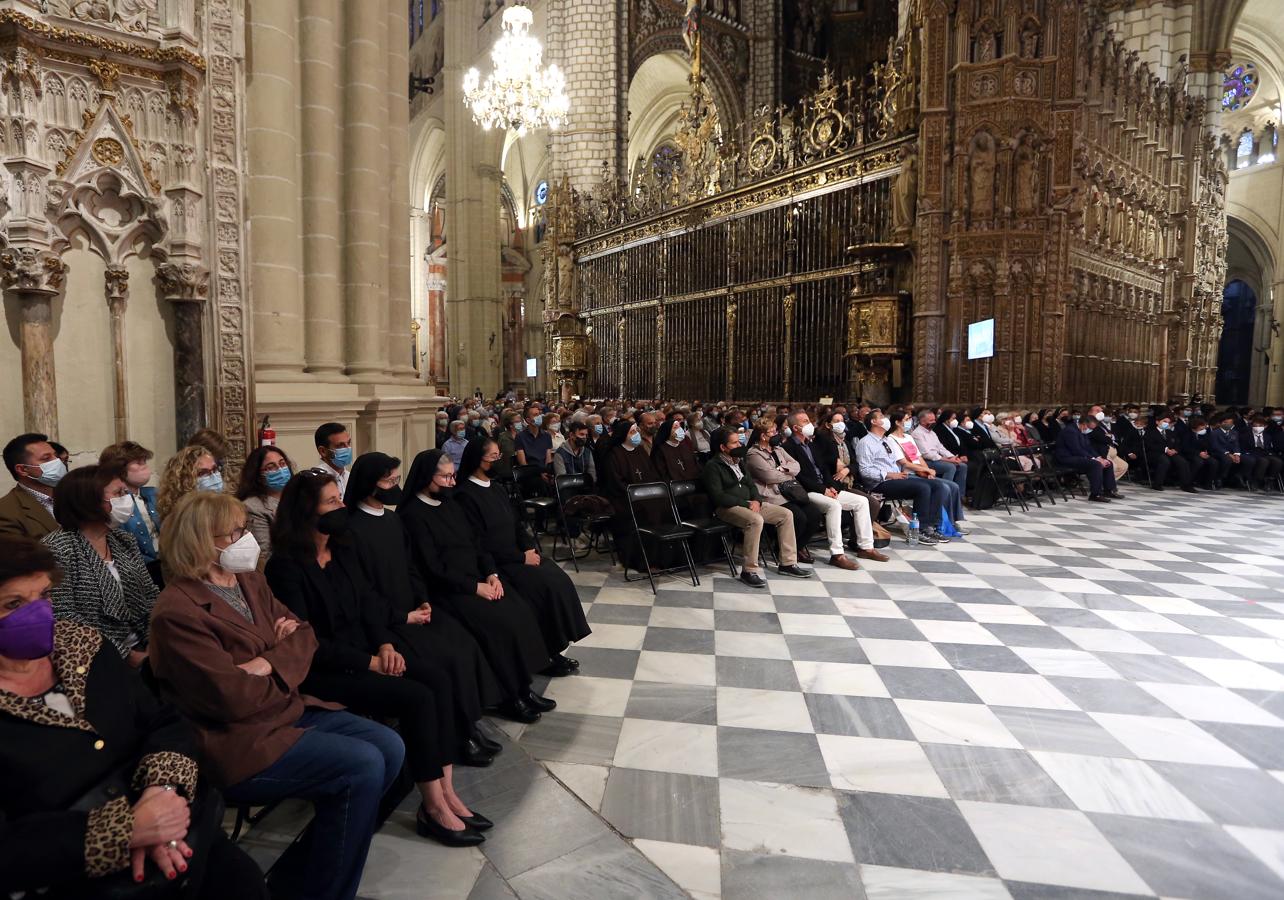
{"x":857,"y":716}
{"x":668,"y":747}
{"x":879,"y":765}
{"x":763,"y":876}
{"x":590,"y":696}
{"x":542,"y":807}
{"x":783,"y":757}
{"x":994,"y":775}
{"x":606,"y":663}
{"x":403,"y":866}
{"x":840,"y":678}
{"x":697,"y":870}
{"x":1000,"y":614}
{"x":810,"y":606}
{"x":944,"y":610}
{"x":1067,"y":663}
{"x":824,"y":649}
{"x":816,"y":626}
{"x":663,"y":806}
{"x":1169,"y":740}
{"x":983,"y":658}
{"x":926,"y":684}
{"x":763,"y":674}
{"x":1013,"y":838}
{"x":1266,"y":845}
{"x":1246,"y":797}
{"x":1010,"y":689}
{"x":490,"y":885}
{"x":585,"y":781}
{"x":1108,"y":640}
{"x":1264,"y":650}
{"x":890,"y":883}
{"x":782,"y":819}
{"x":945,"y":632}
{"x":679,"y":640}
{"x":1211,"y":704}
{"x":1144,"y":667}
{"x":609,"y":869}
{"x":762,"y":621}
{"x":768,"y":710}
{"x":903,"y":653}
{"x":1109,"y":695}
{"x":618,"y":614}
{"x":615,"y":637}
{"x":877,"y":607}
{"x":629,"y":596}
{"x":889,"y":629}
{"x":676,"y":668}
{"x":570,"y":737}
{"x":926,"y":833}
{"x":1029,"y":636}
{"x":1127,"y":787}
{"x":693,"y":703}
{"x":1241,"y":673}
{"x":955,"y":723}
{"x":751,"y":645}
{"x":681,"y":617}
{"x":1263,"y":746}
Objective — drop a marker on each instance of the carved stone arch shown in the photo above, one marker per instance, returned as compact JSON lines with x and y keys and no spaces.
{"x":718,"y":78}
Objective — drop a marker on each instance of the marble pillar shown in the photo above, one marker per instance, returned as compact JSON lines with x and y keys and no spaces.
{"x":31,"y":278}
{"x":319,"y":69}
{"x":186,"y":286}
{"x":116,"y":288}
{"x":400,"y":345}
{"x":435,"y":315}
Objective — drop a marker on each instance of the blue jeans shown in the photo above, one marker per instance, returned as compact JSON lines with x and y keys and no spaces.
{"x":928,"y":494}
{"x":343,"y":764}
{"x":952,"y":472}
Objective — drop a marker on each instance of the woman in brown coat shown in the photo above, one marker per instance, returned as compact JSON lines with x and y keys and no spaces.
{"x":769,"y":468}
{"x":231,"y":657}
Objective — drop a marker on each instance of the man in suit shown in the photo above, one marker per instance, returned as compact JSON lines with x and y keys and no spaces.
{"x":27,"y":510}
{"x":1223,"y":446}
{"x":1163,"y":455}
{"x":1195,"y":450}
{"x":1103,"y":441}
{"x":1074,"y":450}
{"x":1260,"y":463}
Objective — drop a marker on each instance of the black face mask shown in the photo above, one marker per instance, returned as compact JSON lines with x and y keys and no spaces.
{"x":776,"y":440}
{"x":737,"y":452}
{"x":333,"y":523}
{"x":389,"y":496}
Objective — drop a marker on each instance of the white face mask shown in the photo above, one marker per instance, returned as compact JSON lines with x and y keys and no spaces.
{"x":51,"y":472}
{"x":953,"y":423}
{"x":1100,"y":417}
{"x":242,"y":556}
{"x":885,"y":423}
{"x":840,"y":428}
{"x":1258,"y":429}
{"x":808,"y":430}
{"x":122,"y":510}
{"x":988,"y":418}
{"x":139,"y":478}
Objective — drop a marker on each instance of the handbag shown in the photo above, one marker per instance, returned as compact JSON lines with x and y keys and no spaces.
{"x":791,"y":490}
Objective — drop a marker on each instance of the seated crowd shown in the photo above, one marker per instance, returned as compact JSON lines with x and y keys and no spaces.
{"x":336,"y":633}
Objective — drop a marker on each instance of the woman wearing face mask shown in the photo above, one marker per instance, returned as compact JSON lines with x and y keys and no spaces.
{"x":673,"y":455}
{"x":190,"y":469}
{"x":316,"y":574}
{"x":553,"y":425}
{"x":98,"y":779}
{"x":770,"y":466}
{"x":912,"y":463}
{"x":231,"y":657}
{"x":133,"y":462}
{"x":549,"y":589}
{"x":264,"y":476}
{"x":428,"y":637}
{"x":105,"y":582}
{"x":698,"y":434}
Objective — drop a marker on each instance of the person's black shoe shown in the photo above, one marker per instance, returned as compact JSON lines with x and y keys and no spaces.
{"x":494,"y":748}
{"x":1098,"y":498}
{"x":567,"y":661}
{"x":519,"y":711}
{"x":935,"y":535}
{"x":473,"y":755}
{"x":428,"y":827}
{"x":560,"y":667}
{"x":925,"y":538}
{"x":1190,"y":490}
{"x":543,"y":704}
{"x":753,"y":579}
{"x":881,"y":543}
{"x":1158,"y":487}
{"x":477,"y":822}
{"x":1115,"y":495}
{"x":794,"y":572}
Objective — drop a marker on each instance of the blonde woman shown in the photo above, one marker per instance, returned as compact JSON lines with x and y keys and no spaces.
{"x":190,"y":469}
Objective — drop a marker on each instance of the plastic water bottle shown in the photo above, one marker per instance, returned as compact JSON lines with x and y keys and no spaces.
{"x":911,"y":535}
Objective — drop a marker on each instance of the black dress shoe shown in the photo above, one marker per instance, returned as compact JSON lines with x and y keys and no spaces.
{"x":567,"y":661}
{"x":428,"y":827}
{"x":519,"y":711}
{"x":494,"y":748}
{"x":1099,"y":498}
{"x":543,"y":704}
{"x":473,"y":755}
{"x":804,"y":556}
{"x":753,"y":579}
{"x":477,"y":821}
{"x":1115,"y":495}
{"x":560,"y":667}
{"x":1190,"y":490}
{"x":794,"y":572}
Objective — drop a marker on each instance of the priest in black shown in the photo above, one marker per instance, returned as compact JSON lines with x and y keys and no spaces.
{"x":540,"y":580}
{"x":463,"y":577}
{"x":315,"y":572}
{"x":424,"y":633}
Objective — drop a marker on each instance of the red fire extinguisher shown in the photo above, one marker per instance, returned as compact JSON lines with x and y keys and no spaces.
{"x":267,"y":436}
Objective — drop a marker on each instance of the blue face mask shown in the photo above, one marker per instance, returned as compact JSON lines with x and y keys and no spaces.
{"x":212,"y":483}
{"x":679,"y":434}
{"x":599,"y":429}
{"x":342,"y":458}
{"x":520,"y":426}
{"x":744,"y":438}
{"x":278,"y":479}
{"x":635,"y":439}
{"x":537,"y":421}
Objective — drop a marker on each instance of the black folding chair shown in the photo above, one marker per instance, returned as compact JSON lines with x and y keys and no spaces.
{"x":1024,"y":484}
{"x":661,"y":534}
{"x":709,"y":527}
{"x":1066,"y":480}
{"x":536,"y":504}
{"x":598,"y":527}
{"x":997,"y":471}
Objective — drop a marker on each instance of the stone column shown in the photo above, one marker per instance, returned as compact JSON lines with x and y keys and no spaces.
{"x":31,"y":278}
{"x":322,"y":188}
{"x":435,"y":315}
{"x":273,"y":195}
{"x":186,"y":286}
{"x":401,"y":364}
{"x":365,"y":191}
{"x":116,"y":287}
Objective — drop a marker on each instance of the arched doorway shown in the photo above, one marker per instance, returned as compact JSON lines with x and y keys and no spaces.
{"x":1235,"y":355}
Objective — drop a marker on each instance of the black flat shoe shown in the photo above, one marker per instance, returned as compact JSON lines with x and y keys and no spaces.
{"x":567,"y":661}
{"x":473,"y":755}
{"x":560,"y":668}
{"x":494,"y":748}
{"x":477,"y":822}
{"x":753,"y":579}
{"x":429,"y":828}
{"x":793,"y":572}
{"x":519,"y":711}
{"x":543,"y":704}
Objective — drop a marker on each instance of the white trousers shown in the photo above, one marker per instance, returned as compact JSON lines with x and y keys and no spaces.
{"x":833,"y":507}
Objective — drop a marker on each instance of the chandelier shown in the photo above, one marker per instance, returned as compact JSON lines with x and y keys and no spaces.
{"x":520,"y":94}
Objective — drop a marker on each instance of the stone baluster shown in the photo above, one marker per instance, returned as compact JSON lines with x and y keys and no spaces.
{"x":31,"y":279}
{"x":116,"y":288}
{"x":186,"y":286}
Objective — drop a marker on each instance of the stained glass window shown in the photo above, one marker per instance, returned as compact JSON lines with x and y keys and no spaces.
{"x":1239,"y":87}
{"x":666,"y":161}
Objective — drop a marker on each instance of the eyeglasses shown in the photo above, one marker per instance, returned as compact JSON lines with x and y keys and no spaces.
{"x":235,"y":534}
{"x":445,"y":476}
{"x":389,"y":482}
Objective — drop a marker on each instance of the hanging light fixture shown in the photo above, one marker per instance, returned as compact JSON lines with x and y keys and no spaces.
{"x":520,"y":94}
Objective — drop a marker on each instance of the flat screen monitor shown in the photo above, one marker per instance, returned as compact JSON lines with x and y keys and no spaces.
{"x":980,"y":339}
{"x":532,"y":368}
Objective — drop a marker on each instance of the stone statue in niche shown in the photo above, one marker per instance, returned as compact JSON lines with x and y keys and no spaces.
{"x":905,"y":193}
{"x":1030,"y":41}
{"x":982,"y":172}
{"x":1027,"y":182}
{"x":986,"y":46}
{"x":565,"y":278}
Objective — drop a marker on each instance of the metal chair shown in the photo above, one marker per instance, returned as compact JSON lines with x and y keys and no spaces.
{"x":661,"y":534}
{"x":997,"y":471}
{"x":706,"y":526}
{"x":536,"y":504}
{"x":598,"y":527}
{"x":1024,"y":484}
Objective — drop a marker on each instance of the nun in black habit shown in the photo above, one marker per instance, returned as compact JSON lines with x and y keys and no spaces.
{"x":541,"y":581}
{"x":464,"y":579}
{"x":425,"y":634}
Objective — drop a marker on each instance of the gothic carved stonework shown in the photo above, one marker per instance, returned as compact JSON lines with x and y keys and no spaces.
{"x":26,"y":270}
{"x":185,"y":283}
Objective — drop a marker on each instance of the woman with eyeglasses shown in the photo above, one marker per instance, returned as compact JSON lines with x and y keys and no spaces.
{"x":550,"y":590}
{"x":190,"y":469}
{"x":315,"y":572}
{"x":449,"y":558}
{"x":264,"y":476}
{"x":232,"y":657}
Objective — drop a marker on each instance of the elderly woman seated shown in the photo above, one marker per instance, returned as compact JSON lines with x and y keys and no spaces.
{"x":98,"y":779}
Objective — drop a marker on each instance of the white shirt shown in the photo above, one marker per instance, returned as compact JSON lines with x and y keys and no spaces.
{"x":478,"y":481}
{"x":370,"y":510}
{"x":340,"y":475}
{"x":431,"y":501}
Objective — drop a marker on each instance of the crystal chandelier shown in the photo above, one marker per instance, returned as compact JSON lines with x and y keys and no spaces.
{"x":520,"y":94}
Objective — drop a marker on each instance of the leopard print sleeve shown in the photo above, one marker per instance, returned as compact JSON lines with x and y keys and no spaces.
{"x":107,"y":837}
{"x":167,"y":767}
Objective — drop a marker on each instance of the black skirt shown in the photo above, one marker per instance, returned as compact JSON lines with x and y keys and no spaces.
{"x":445,"y":646}
{"x":508,"y":632}
{"x":554,"y":599}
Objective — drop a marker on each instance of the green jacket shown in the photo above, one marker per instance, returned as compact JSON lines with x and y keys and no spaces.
{"x":722,"y":487}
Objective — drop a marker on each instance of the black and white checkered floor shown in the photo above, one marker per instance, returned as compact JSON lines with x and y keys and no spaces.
{"x":1083,"y":702}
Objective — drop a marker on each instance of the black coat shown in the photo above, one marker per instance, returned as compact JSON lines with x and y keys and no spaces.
{"x":813,"y":478}
{"x":48,"y":762}
{"x":1102,"y":440}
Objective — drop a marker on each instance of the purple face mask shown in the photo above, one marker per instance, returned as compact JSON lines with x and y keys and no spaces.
{"x":27,"y":632}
